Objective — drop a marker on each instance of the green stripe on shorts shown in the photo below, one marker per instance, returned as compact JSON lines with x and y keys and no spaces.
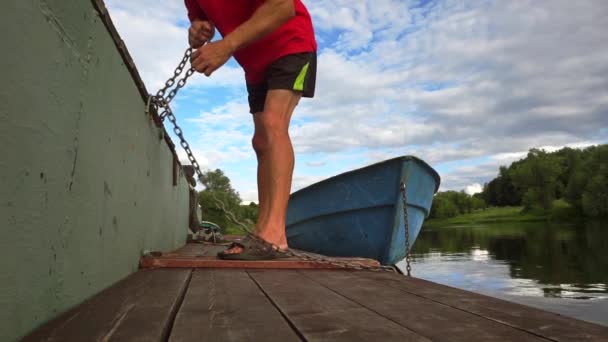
{"x":299,"y":83}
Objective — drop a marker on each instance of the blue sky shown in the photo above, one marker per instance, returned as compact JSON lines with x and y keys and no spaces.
{"x":466,"y":86}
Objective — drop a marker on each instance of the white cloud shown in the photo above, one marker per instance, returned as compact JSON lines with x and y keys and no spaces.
{"x":154,"y":41}
{"x":507,"y":69}
{"x":473,"y":189}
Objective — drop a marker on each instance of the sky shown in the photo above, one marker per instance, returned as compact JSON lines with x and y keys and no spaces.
{"x":467,"y":86}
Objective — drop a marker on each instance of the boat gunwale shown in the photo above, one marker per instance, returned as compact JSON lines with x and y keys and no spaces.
{"x":424,"y":164}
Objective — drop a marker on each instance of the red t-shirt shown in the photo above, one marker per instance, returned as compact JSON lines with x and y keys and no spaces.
{"x":294,"y":36}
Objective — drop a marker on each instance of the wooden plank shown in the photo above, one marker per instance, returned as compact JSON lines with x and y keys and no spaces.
{"x":209,"y":250}
{"x":213,"y":262}
{"x":322,"y":315}
{"x":152,"y":316}
{"x":433,"y":320}
{"x":197,"y":249}
{"x":203,"y":255}
{"x":138,"y":308}
{"x":550,"y":325}
{"x":226,"y":305}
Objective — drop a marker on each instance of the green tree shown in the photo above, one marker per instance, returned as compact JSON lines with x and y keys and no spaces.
{"x":502,"y":191}
{"x":586,"y":186}
{"x":575,"y":186}
{"x":451,"y":203}
{"x":570,"y":164}
{"x":250,"y":212}
{"x":214,"y":211}
{"x":577,"y":176}
{"x":477,"y":202}
{"x":595,"y":198}
{"x":537,"y":176}
{"x":442,"y":207}
{"x":219,"y":197}
{"x":217,"y":181}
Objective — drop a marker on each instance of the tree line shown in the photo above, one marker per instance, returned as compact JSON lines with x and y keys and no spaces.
{"x":452,"y":203}
{"x":578,"y":176}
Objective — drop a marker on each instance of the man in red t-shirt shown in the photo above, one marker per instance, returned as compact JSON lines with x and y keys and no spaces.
{"x":274,"y":42}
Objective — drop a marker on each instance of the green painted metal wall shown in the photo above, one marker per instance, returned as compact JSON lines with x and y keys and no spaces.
{"x":85,"y":182}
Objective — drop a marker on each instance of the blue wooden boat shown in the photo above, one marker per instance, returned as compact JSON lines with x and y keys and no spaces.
{"x":360,"y":213}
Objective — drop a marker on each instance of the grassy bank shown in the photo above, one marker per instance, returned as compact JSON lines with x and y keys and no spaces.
{"x":561,"y":211}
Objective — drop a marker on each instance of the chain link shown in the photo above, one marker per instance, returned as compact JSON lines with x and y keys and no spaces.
{"x":406,"y":225}
{"x":178,"y":71}
{"x":160,"y":102}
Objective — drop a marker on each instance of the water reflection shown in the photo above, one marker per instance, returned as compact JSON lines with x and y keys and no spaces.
{"x":562,"y":268}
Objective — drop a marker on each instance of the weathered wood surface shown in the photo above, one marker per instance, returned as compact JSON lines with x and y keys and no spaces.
{"x":203,"y":255}
{"x":321,"y":314}
{"x":227,"y":305}
{"x":141,"y":307}
{"x":212,"y":262}
{"x":196,"y":249}
{"x":543,"y":323}
{"x":425,"y":317}
{"x":215,"y":304}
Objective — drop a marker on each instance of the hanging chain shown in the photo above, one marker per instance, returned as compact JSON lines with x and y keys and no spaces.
{"x":160,"y":102}
{"x":408,"y":267}
{"x":163,"y":101}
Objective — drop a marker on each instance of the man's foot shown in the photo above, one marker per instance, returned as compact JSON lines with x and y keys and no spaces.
{"x":280,"y":243}
{"x":251,"y":248}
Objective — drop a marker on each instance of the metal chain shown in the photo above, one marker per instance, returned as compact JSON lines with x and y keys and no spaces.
{"x":160,"y":102}
{"x":406,"y":225}
{"x":351,"y":264}
{"x":160,"y":95}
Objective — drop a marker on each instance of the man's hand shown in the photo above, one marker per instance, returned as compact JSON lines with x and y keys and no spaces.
{"x":200,"y":32}
{"x":211,"y":56}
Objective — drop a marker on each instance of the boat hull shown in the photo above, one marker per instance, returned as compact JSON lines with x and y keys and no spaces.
{"x":360,"y":213}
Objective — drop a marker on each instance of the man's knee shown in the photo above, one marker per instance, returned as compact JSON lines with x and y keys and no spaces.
{"x":259,"y":143}
{"x":270,"y":127}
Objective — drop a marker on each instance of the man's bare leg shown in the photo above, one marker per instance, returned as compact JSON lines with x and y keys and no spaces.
{"x":275,"y":155}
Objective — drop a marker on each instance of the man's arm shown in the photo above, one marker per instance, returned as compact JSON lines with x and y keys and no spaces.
{"x":267,"y":18}
{"x":201,"y":30}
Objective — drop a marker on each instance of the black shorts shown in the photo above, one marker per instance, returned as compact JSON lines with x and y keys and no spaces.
{"x":296,"y":72}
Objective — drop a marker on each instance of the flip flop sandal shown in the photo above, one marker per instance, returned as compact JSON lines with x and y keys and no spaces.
{"x":252,"y":249}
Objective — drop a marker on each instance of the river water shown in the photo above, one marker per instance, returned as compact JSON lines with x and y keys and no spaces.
{"x":556,"y":267}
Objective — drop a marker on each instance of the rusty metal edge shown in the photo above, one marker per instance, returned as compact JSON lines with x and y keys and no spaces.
{"x":104,"y":15}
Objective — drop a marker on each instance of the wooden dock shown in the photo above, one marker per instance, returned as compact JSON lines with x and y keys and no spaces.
{"x":202,"y":301}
